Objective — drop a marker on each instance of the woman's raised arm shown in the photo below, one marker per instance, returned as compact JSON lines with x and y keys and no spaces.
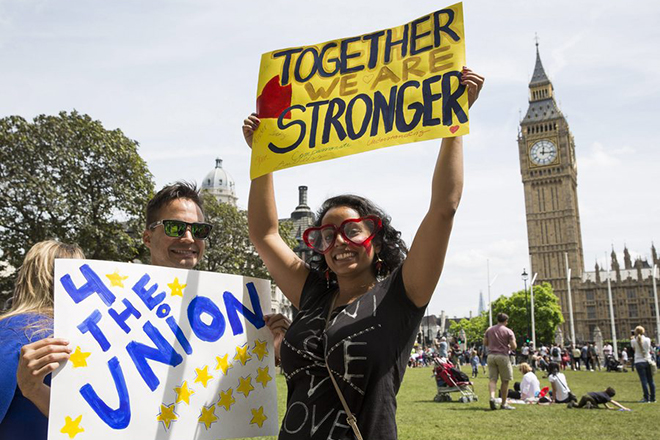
{"x":287,"y":269}
{"x":423,"y":266}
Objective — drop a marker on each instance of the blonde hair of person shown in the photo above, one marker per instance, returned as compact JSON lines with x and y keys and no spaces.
{"x":525,"y":368}
{"x":33,"y":292}
{"x":639,"y":332}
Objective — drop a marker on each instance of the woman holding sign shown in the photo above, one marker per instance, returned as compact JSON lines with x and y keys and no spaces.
{"x":27,"y":352}
{"x":361,"y":298}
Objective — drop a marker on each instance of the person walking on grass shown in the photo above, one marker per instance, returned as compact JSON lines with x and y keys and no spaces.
{"x":593,"y":357}
{"x":500,"y":340}
{"x":442,"y":351}
{"x":584,"y":357}
{"x":475,"y":363}
{"x":575,"y":352}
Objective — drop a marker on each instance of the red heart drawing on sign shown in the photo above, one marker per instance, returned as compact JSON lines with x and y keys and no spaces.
{"x":454,"y":129}
{"x":274,"y":99}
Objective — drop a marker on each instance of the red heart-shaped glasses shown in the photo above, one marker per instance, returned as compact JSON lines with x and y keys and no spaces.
{"x":357,"y":231}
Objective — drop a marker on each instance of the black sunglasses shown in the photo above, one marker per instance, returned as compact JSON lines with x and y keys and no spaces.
{"x":178,"y":228}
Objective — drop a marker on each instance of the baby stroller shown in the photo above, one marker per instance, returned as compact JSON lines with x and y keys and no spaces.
{"x":452,"y":380}
{"x":612,"y":364}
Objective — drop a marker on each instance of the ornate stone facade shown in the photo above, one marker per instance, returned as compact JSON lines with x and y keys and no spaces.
{"x":549,"y":175}
{"x":220,"y":184}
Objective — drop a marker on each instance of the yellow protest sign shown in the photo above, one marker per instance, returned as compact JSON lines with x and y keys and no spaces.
{"x":357,"y":94}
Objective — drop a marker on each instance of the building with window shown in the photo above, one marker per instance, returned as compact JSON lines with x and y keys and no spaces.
{"x":302,"y":218}
{"x":219,"y":183}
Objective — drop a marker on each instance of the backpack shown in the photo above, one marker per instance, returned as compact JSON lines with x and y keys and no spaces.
{"x":555,"y":352}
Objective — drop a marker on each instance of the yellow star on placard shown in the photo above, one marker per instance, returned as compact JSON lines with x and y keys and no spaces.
{"x":227,"y":399}
{"x":71,"y":427}
{"x":242,"y":354}
{"x":79,"y":358}
{"x":167,"y":415}
{"x":263,"y":377}
{"x":116,"y":280}
{"x":177,"y":289}
{"x":223,"y":363}
{"x":258,"y":417}
{"x":183,"y":393}
{"x":260,"y":349}
{"x":208,"y":416}
{"x":245,"y":385}
{"x":203,"y":375}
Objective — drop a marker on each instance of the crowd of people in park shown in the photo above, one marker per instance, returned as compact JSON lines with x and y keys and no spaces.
{"x":500,"y":354}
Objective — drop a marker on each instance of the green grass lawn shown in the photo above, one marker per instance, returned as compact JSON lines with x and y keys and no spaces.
{"x":420,"y":418}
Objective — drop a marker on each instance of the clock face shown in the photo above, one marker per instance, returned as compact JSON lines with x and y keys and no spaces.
{"x":543,"y":153}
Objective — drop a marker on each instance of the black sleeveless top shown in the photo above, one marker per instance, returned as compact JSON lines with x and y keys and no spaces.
{"x":367,"y":345}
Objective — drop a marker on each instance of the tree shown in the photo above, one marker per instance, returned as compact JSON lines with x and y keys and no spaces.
{"x":474,"y":328}
{"x":229,"y":249}
{"x":66,"y":177}
{"x":547,"y":313}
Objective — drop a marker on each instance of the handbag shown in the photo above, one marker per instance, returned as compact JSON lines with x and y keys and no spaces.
{"x":653,"y":366}
{"x":350,"y":418}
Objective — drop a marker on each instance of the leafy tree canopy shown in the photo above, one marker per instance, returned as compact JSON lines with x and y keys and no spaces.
{"x":547,"y":315}
{"x":66,"y":177}
{"x":228,"y":248}
{"x":474,"y":328}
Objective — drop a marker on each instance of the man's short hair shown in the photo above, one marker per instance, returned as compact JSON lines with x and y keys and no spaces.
{"x":177,"y":190}
{"x":610,"y":392}
{"x":502,"y":317}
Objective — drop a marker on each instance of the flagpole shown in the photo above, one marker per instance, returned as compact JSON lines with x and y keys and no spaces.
{"x":655,"y":297}
{"x":531,"y":288}
{"x":609,"y":298}
{"x":570,"y":301}
{"x":490,"y":283}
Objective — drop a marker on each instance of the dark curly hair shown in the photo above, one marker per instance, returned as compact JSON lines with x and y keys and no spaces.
{"x":393,"y":250}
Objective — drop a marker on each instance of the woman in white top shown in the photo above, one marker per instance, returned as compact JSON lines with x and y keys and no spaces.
{"x":642,"y":346}
{"x":530,"y":386}
{"x":561,"y":393}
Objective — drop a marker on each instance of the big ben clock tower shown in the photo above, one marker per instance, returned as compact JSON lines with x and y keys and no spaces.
{"x":549,"y":175}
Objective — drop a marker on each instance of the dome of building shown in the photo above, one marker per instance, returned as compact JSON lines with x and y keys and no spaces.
{"x":219,"y":183}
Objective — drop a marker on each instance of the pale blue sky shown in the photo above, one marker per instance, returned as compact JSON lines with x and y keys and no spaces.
{"x":179,"y":77}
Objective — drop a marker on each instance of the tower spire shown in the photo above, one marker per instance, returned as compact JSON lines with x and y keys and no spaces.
{"x":627,"y":260}
{"x":539,"y":78}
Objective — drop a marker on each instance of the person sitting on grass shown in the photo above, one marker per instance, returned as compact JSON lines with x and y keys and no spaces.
{"x":593,"y":399}
{"x":561,"y":393}
{"x":529,"y":387}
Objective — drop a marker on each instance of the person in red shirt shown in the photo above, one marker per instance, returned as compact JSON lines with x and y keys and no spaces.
{"x":500,"y":340}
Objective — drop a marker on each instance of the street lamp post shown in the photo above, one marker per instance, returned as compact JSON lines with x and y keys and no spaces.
{"x":655,"y":299}
{"x":490,"y":283}
{"x":531,"y":295}
{"x":524,"y":278}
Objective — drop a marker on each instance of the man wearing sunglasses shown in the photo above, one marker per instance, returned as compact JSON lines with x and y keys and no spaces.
{"x":176,"y":229}
{"x":175,"y":236}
